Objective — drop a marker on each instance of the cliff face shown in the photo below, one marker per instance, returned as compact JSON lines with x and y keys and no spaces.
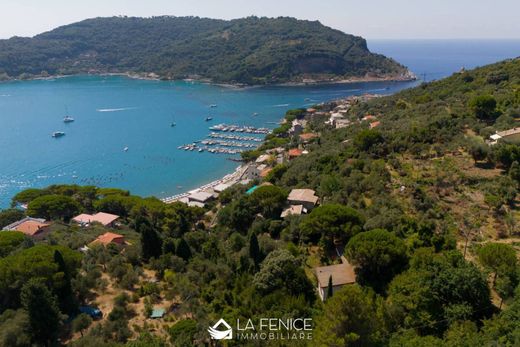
{"x":249,"y":50}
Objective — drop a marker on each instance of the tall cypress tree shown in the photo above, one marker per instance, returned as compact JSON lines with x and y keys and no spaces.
{"x":254,"y":250}
{"x":151,"y":242}
{"x":330,"y":288}
{"x":44,"y":314}
{"x":66,"y":298}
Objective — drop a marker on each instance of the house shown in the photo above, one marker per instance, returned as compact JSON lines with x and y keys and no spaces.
{"x":263,"y":158}
{"x":105,"y":219}
{"x":219,"y":188}
{"x":200,"y":197}
{"x":297,"y":127}
{"x":265,"y":172}
{"x":294,"y":153}
{"x":509,"y":136}
{"x":342,"y":123}
{"x":251,"y":173}
{"x":307,"y":137}
{"x":304,"y":197}
{"x":33,"y":227}
{"x":375,"y":124}
{"x":369,"y":117}
{"x":108,"y":238}
{"x":334,"y":117}
{"x":341,"y":274}
{"x":293,"y":210}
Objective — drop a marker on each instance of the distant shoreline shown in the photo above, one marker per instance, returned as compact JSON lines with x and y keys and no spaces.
{"x":409,"y":76}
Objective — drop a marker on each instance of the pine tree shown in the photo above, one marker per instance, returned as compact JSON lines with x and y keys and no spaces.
{"x":151,"y":242}
{"x":183,"y":249}
{"x":42,"y":307}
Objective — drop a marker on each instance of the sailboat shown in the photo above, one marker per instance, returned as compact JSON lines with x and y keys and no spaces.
{"x":173,"y":124}
{"x":67,"y":118}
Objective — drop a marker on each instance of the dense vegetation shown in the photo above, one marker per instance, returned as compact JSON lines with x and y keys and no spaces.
{"x":421,"y":205}
{"x":250,"y":50}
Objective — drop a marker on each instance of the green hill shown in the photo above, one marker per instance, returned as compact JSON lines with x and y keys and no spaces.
{"x":250,"y":50}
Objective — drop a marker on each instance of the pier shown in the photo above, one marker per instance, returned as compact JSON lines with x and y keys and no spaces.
{"x":240,"y":129}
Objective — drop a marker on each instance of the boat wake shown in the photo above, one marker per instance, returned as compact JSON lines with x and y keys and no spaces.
{"x":281,"y":105}
{"x":115,"y":109}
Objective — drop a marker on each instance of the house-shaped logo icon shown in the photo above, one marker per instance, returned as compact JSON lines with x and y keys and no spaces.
{"x":221,"y":334}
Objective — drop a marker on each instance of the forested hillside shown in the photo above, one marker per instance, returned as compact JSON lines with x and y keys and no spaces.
{"x":423,"y":208}
{"x":250,"y":50}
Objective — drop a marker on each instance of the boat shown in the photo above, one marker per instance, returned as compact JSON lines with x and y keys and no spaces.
{"x":255,"y":114}
{"x":173,"y":124}
{"x":125,"y":149}
{"x":68,"y":119}
{"x":201,"y":150}
{"x":57,"y":134}
{"x":209,"y":118}
{"x":213,"y":105}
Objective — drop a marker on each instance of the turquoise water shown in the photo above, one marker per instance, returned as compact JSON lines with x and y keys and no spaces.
{"x":112,"y":113}
{"x":138,"y":115}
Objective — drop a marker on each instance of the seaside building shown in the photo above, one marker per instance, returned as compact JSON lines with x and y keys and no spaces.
{"x":263,"y":158}
{"x":200,"y":197}
{"x":305,"y":197}
{"x":341,"y":123}
{"x":342,"y":274}
{"x":219,"y":188}
{"x":33,"y":227}
{"x":105,"y":219}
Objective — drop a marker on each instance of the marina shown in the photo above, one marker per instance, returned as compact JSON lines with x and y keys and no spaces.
{"x":240,"y":129}
{"x":235,"y":137}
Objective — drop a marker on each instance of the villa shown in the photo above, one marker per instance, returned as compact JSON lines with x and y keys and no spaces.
{"x":342,"y":274}
{"x":33,"y":227}
{"x":105,"y":219}
{"x":305,"y":197}
{"x":108,"y":238}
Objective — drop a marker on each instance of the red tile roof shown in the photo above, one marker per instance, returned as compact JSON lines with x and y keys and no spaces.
{"x":31,"y":228}
{"x":108,"y":238}
{"x":295,"y":152}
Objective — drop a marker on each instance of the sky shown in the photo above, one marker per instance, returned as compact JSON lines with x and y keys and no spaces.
{"x":372,"y":19}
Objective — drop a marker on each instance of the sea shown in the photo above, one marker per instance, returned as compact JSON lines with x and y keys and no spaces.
{"x":122,"y":135}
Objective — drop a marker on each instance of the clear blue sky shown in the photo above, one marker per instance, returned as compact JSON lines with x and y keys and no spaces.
{"x":372,"y":19}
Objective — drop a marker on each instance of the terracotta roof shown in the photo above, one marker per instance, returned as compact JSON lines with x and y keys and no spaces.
{"x":341,"y":274}
{"x":308,"y":136}
{"x":307,"y":195}
{"x":375,"y":124}
{"x":31,"y":228}
{"x":100,"y":217}
{"x":369,"y":117}
{"x":295,"y":152}
{"x":109,"y":237}
{"x":265,"y":172}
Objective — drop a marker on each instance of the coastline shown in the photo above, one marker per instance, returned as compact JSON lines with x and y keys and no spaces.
{"x":150,"y":76}
{"x":229,"y":179}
